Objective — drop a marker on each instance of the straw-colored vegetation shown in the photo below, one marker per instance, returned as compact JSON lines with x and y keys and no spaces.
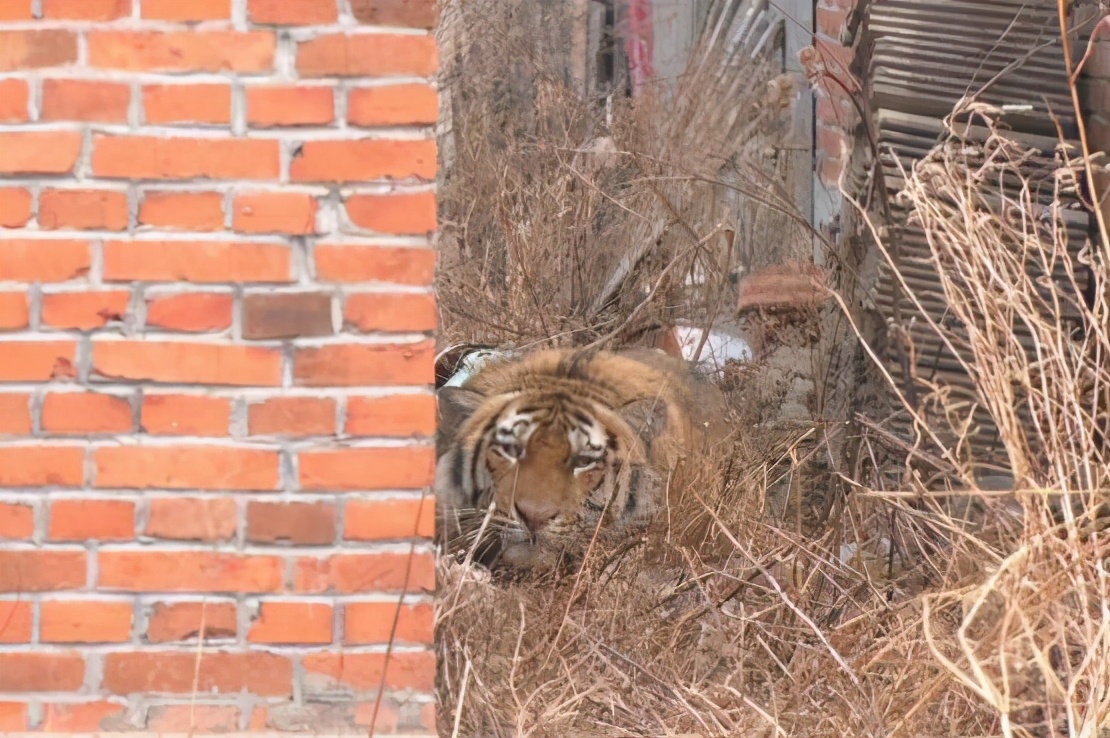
{"x":886,"y":597}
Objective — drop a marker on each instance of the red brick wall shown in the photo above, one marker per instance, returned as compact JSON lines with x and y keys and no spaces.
{"x":215,"y":364}
{"x":836,"y":115}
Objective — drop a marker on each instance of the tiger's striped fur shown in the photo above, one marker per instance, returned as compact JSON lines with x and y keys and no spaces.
{"x":543,"y":449}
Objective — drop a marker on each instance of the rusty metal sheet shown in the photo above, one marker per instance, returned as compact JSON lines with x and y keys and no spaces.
{"x":929,"y":54}
{"x":926,"y":56}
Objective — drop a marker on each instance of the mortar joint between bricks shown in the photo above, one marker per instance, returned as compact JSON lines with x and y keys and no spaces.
{"x":342,"y":104}
{"x":288,"y":470}
{"x":240,"y":419}
{"x":239,"y":15}
{"x":39,"y":518}
{"x":238,"y":109}
{"x":92,"y":566}
{"x":142,"y":517}
{"x":285,"y":56}
{"x":34,"y":98}
{"x":135,"y":105}
{"x":346,"y":13}
{"x":83,"y":169}
{"x":83,"y":358}
{"x":34,"y":311}
{"x":241,"y":504}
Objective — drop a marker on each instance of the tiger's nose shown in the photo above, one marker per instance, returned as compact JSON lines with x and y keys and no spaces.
{"x":535,"y":515}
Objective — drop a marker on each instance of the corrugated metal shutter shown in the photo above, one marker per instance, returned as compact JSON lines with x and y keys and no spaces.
{"x":925,"y":57}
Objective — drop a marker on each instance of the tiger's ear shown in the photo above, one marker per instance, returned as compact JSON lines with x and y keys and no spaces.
{"x":455,"y":405}
{"x":647,"y":418}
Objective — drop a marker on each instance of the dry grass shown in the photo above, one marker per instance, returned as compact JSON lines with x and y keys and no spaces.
{"x":898,"y":608}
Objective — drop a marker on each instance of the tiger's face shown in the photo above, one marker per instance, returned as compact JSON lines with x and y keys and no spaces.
{"x":554,"y":468}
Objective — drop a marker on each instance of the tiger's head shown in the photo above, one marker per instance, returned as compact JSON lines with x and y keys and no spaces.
{"x":538,"y":469}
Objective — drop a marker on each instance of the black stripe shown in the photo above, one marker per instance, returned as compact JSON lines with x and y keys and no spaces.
{"x":476,"y":491}
{"x":582,"y":418}
{"x":457,"y":470}
{"x":633,"y":482}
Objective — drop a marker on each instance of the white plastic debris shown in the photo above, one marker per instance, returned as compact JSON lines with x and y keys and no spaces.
{"x":720,"y":348}
{"x":471,"y":363}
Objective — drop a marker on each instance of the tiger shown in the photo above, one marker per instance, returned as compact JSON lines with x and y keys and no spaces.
{"x":546,"y":448}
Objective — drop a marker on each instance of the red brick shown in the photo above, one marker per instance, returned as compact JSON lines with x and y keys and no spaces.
{"x":192,"y":519}
{"x":364,"y":671}
{"x":14,"y":96}
{"x":372,"y":622}
{"x":295,"y":416}
{"x":186,"y":467}
{"x":23,"y":50}
{"x":85,"y":100}
{"x":207,"y":572}
{"x":194,"y":10}
{"x":15,"y":413}
{"x":185,"y":415}
{"x":299,"y":523}
{"x":81,"y":717}
{"x":16,"y":10}
{"x":40,"y":260}
{"x":385,"y":717}
{"x":14,"y":314}
{"x":17,"y":620}
{"x":41,"y":466}
{"x":289,"y":623}
{"x":396,"y":415}
{"x":414,"y":267}
{"x":292,"y":12}
{"x":365,"y":365}
{"x":98,"y":10}
{"x":373,"y":520}
{"x":286,"y":315}
{"x":41,"y":571}
{"x":406,"y":13}
{"x":366,"y":572}
{"x":15,"y":202}
{"x":37,"y":361}
{"x":831,"y":21}
{"x":186,"y":211}
{"x":13,"y":715}
{"x":181,"y":621}
{"x":405,"y":214}
{"x":85,"y":412}
{"x":201,"y":262}
{"x":41,"y":672}
{"x":89,"y":209}
{"x":261,"y":674}
{"x":197,"y":719}
{"x":187,"y":363}
{"x":346,"y":469}
{"x":367,"y":55}
{"x":378,"y":312}
{"x":148,"y":157}
{"x":84,"y":310}
{"x":362,"y":160}
{"x":274,"y":212}
{"x":190,"y":311}
{"x":84,"y":621}
{"x":290,"y":106}
{"x":16,"y":522}
{"x":38,"y":152}
{"x":182,"y":51}
{"x":84,"y":520}
{"x":166,"y":104}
